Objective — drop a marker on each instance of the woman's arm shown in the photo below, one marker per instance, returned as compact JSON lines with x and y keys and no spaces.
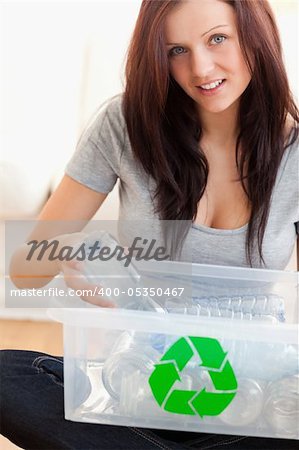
{"x":70,"y":207}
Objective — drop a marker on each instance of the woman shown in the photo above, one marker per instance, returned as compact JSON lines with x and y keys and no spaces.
{"x":206,"y":131}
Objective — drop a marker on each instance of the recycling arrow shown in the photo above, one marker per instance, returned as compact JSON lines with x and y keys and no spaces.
{"x":210,"y":351}
{"x":162,"y":379}
{"x":211,"y":403}
{"x":178,"y":402}
{"x":180,"y":352}
{"x":204,"y":403}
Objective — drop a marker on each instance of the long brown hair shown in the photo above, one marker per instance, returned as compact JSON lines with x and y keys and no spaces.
{"x":164,"y":127}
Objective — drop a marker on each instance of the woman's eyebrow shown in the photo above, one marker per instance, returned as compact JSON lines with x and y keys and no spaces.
{"x":206,"y":32}
{"x":217,"y":26}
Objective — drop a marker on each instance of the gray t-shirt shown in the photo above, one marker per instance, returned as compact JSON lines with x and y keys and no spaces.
{"x":104,"y":154}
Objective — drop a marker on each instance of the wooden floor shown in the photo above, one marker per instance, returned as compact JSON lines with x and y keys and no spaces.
{"x":29,"y":335}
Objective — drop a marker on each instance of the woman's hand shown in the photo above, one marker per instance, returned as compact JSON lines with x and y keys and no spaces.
{"x":73,"y":273}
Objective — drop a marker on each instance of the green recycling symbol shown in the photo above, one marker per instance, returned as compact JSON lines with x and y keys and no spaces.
{"x":213,"y":359}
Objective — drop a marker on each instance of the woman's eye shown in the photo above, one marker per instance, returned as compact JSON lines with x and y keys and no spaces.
{"x":176,"y":51}
{"x":218,"y":39}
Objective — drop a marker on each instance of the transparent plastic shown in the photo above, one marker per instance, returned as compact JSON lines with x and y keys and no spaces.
{"x":111,"y":355}
{"x":113,"y":271}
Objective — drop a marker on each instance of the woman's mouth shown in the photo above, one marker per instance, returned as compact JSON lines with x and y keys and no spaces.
{"x":211,"y":88}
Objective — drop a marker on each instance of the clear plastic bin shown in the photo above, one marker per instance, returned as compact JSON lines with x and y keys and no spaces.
{"x":226,"y":364}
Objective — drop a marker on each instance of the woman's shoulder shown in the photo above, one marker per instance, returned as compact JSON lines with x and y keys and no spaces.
{"x":107,"y":120}
{"x":289,"y":167}
{"x":113,"y":105}
{"x":291,"y":138}
{"x":111,"y":109}
{"x":292,"y":144}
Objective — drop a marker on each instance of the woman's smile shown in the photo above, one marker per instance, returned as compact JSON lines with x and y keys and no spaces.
{"x":212,"y":88}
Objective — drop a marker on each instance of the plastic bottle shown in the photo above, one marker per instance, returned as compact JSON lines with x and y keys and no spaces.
{"x":268,"y":308}
{"x":282,"y":406}
{"x":115,"y":275}
{"x":132,"y":352}
{"x":247,"y":405}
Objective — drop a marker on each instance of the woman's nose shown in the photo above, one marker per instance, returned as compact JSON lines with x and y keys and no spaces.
{"x":202,"y":63}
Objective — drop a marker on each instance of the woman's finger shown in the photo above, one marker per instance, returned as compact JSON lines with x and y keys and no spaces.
{"x":88,"y":292}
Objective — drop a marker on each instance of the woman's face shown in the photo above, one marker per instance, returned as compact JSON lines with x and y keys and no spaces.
{"x":204,"y":53}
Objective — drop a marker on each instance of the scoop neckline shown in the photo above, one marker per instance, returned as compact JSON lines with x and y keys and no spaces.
{"x":222,"y":231}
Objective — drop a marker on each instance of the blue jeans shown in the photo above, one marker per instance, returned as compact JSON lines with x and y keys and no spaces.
{"x":32,"y":416}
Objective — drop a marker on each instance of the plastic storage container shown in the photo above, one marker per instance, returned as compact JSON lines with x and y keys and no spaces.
{"x":223,"y":359}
